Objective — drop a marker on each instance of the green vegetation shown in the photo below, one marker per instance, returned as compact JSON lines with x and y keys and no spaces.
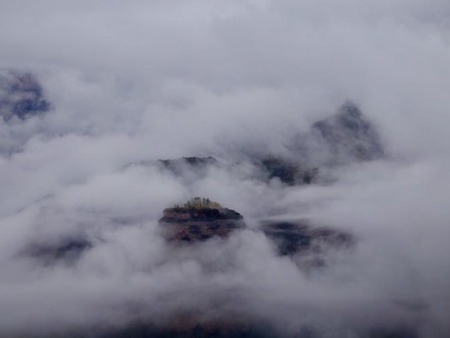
{"x":199,"y":203}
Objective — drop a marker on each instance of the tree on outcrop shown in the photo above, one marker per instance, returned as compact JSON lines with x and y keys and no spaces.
{"x":202,"y":203}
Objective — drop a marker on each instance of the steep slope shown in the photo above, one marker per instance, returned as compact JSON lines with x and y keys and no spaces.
{"x":348,"y":136}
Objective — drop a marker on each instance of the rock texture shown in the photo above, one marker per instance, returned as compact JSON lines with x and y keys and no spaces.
{"x":201,"y":221}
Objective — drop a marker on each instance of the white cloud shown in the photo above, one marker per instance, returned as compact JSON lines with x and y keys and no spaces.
{"x":143,"y":81}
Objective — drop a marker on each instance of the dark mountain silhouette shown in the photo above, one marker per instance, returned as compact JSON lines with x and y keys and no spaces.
{"x":66,"y":250}
{"x":21,"y":96}
{"x":294,"y":237}
{"x":348,"y":136}
{"x":345,"y":137}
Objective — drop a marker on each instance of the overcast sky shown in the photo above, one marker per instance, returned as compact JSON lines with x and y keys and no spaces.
{"x":144,"y":80}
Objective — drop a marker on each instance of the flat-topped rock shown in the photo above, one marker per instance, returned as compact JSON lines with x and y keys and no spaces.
{"x":199,"y":219}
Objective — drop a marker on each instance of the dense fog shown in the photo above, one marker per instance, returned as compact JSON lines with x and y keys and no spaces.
{"x":118,"y":86}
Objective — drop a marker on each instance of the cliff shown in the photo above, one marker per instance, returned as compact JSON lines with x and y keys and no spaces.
{"x":199,"y":221}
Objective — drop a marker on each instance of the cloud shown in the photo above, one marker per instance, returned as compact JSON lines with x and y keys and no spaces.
{"x":135,"y":83}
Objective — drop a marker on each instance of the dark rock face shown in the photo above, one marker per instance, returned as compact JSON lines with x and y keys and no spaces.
{"x":197,"y":164}
{"x":192,"y":161}
{"x":21,"y":96}
{"x":348,"y":135}
{"x":184,"y":215}
{"x":300,"y":238}
{"x":199,"y":223}
{"x":287,"y":171}
{"x":269,"y":167}
{"x":342,"y":138}
{"x":68,"y":250}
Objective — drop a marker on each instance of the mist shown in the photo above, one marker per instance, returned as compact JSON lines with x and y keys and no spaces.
{"x":131,"y":84}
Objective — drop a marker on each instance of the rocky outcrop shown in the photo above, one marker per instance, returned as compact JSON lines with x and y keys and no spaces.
{"x":308,"y":243}
{"x":201,"y":221}
{"x":286,"y":171}
{"x":21,"y":96}
{"x":342,"y":138}
{"x":193,"y":161}
{"x":348,"y":135}
{"x":65,"y":249}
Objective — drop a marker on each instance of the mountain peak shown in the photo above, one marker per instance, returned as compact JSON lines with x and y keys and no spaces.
{"x":348,"y":134}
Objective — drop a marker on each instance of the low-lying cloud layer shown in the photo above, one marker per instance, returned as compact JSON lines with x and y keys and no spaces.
{"x":129,"y":84}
